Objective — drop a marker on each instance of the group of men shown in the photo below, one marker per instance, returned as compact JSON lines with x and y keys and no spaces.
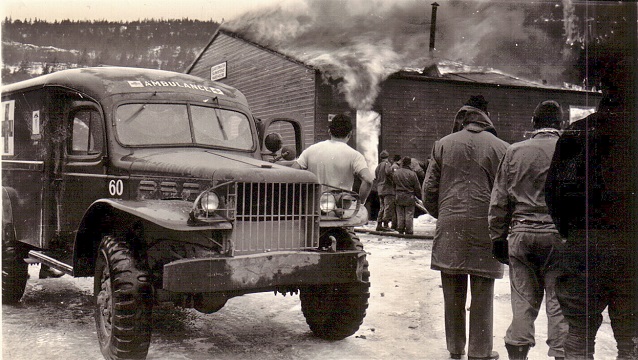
{"x":558,"y":208}
{"x":398,"y":187}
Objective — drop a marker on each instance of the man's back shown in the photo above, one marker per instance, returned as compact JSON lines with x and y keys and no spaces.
{"x":333,"y":162}
{"x":526,"y":164}
{"x":385,"y":184}
{"x":590,"y":184}
{"x":468,"y":161}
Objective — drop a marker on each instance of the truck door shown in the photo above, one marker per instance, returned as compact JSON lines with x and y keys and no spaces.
{"x":23,"y":163}
{"x":83,"y":177}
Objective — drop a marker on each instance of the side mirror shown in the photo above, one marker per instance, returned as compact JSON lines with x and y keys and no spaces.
{"x":278,"y":133}
{"x":273,"y":142}
{"x":288,"y":153}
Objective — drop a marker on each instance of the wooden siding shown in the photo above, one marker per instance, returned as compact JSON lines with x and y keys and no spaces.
{"x":273,"y":85}
{"x":416,"y":113}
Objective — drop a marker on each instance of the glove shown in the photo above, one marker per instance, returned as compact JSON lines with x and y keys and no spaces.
{"x":500,"y":251}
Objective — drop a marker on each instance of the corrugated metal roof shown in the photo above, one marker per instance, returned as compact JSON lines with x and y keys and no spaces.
{"x":492,"y":78}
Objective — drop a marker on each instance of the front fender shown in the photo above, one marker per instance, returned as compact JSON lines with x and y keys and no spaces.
{"x":170,"y":214}
{"x":105,"y":215}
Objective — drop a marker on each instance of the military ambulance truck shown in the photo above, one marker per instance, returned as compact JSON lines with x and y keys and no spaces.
{"x":165,"y":188}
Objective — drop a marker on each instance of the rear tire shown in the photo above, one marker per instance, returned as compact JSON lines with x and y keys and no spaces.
{"x":123,"y":302}
{"x":336,"y":311}
{"x":15,"y":271}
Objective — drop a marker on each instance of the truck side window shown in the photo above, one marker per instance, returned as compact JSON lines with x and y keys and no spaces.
{"x":87,"y":133}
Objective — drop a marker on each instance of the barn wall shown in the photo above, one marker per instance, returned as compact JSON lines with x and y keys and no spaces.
{"x":415,"y":113}
{"x":273,"y":85}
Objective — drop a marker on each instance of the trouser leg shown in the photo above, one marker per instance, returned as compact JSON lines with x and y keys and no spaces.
{"x":390,"y":211}
{"x":381,"y":216}
{"x":582,"y":305}
{"x":557,"y":326}
{"x":526,"y":291}
{"x":454,"y":298}
{"x":481,"y":340}
{"x":624,"y":316}
{"x":409,"y":219}
{"x":400,"y":218}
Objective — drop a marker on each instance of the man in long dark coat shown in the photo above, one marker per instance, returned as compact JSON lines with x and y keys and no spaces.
{"x":456,"y":191}
{"x":591,"y":195}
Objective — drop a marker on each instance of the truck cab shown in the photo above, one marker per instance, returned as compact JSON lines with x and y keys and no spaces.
{"x":165,"y":188}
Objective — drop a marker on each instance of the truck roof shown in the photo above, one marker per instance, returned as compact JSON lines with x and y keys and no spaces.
{"x":99,"y":82}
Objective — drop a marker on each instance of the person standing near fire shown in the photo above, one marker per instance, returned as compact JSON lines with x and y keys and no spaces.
{"x":334,"y":162}
{"x":385,"y":189}
{"x":524,"y":236}
{"x":456,"y":191}
{"x":591,"y":196}
{"x":407,"y":190}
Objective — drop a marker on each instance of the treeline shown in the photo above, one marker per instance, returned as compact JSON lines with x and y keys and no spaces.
{"x":34,"y":47}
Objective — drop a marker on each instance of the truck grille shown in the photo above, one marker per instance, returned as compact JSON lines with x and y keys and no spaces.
{"x":275,"y":217}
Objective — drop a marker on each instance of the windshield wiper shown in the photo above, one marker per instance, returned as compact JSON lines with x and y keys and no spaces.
{"x":140,"y":109}
{"x":219,"y":122}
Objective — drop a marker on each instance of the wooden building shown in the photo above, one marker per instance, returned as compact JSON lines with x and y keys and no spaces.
{"x":415,"y":107}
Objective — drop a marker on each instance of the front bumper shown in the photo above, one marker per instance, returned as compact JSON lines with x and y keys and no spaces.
{"x":263,"y":272}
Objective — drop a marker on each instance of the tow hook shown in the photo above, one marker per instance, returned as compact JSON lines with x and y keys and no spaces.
{"x":333,"y":244}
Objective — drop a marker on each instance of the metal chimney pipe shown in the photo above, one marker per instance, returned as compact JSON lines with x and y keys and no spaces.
{"x":433,"y":26}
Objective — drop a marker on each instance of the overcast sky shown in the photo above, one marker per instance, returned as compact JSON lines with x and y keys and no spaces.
{"x":127,"y":10}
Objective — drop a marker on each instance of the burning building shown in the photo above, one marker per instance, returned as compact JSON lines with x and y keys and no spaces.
{"x":400,"y":109}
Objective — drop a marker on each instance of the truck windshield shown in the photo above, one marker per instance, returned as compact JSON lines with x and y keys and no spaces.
{"x":170,"y":124}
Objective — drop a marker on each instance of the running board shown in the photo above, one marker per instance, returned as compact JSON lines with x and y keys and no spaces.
{"x":51,"y":262}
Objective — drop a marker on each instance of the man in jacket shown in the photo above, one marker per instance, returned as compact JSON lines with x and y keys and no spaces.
{"x":518,"y":209}
{"x":407,"y":190}
{"x":456,"y":191}
{"x":385,"y":189}
{"x":591,"y":195}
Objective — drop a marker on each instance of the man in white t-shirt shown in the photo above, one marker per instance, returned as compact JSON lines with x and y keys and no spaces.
{"x":334,"y":162}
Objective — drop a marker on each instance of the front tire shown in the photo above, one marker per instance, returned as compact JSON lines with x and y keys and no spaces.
{"x":123,"y":302}
{"x":15,"y":271}
{"x":335,"y":311}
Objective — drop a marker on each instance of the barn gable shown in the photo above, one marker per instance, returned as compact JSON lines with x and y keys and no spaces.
{"x":274,"y":85}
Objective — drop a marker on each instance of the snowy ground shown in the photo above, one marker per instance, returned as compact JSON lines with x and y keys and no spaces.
{"x":404,"y":319}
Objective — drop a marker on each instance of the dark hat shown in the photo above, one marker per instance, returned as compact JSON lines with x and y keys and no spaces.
{"x":384,"y":154}
{"x":396,"y":158}
{"x":477,"y":101}
{"x":548,"y":113}
{"x":406,"y":161}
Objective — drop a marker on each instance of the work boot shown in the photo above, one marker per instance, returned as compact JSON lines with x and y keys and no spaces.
{"x":492,"y":356}
{"x":517,"y":352}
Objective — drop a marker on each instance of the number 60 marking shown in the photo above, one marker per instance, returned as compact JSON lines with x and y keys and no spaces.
{"x":116,"y":187}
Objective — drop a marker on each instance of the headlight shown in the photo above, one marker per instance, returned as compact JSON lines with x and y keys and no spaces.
{"x":207,"y":202}
{"x":214,"y":205}
{"x":328,"y":202}
{"x":339,"y":204}
{"x":348,"y":202}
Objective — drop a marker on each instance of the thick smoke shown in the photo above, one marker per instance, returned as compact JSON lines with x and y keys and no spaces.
{"x":363,"y":41}
{"x":357,"y":44}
